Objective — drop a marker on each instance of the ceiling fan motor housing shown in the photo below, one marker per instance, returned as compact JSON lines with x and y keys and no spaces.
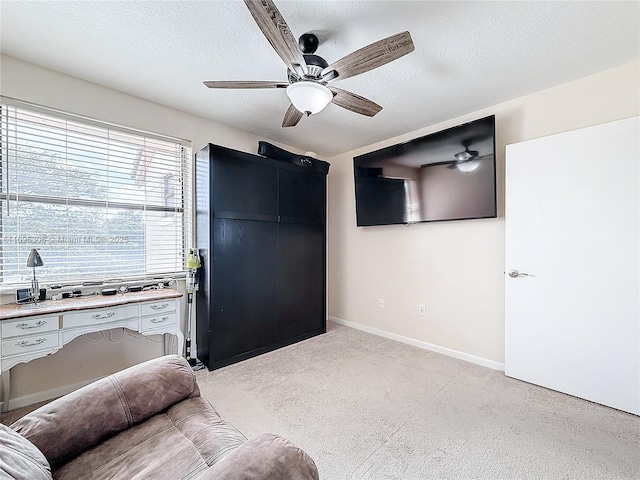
{"x":315,"y":64}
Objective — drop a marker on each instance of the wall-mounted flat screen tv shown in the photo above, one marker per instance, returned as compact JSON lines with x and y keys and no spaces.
{"x":448,"y":175}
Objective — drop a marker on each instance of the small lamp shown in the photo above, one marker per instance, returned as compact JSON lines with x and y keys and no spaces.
{"x":34,"y":261}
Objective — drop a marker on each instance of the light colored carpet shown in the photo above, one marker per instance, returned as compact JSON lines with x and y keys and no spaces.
{"x":365,"y":407}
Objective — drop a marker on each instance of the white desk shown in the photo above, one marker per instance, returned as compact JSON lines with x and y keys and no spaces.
{"x":27,"y":333}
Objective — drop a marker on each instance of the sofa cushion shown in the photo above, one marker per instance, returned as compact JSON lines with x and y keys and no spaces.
{"x":266,"y":457}
{"x":183,"y":441}
{"x":20,"y":459}
{"x":69,"y":425}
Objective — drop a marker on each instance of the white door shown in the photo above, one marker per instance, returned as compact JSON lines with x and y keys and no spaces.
{"x":572,"y":224}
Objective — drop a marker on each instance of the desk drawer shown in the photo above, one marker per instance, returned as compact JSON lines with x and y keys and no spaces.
{"x":157,"y":321}
{"x":31,"y":343}
{"x":99,"y":316}
{"x":156,"y":308}
{"x":26,"y":326}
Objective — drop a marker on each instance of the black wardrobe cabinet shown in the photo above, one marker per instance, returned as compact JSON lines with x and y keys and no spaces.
{"x":261,"y":234}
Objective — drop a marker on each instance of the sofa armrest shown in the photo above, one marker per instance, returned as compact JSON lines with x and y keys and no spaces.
{"x":80,"y":420}
{"x":266,"y":457}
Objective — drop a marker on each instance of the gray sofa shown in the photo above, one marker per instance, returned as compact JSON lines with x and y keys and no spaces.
{"x":147,"y":421}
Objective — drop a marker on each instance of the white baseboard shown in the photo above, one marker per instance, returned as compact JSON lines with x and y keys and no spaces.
{"x":420,"y":344}
{"x":37,"y":397}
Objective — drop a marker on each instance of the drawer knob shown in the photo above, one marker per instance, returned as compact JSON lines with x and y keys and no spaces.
{"x":159,"y":307}
{"x":26,"y":343}
{"x":100,"y":316}
{"x":159,"y":320}
{"x":26,"y":326}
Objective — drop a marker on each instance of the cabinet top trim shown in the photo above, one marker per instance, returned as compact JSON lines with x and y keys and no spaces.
{"x":226,"y":152}
{"x":13,"y":311}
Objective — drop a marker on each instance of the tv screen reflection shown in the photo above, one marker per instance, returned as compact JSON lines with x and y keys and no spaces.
{"x":448,"y":175}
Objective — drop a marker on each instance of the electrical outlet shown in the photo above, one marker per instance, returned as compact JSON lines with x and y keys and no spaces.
{"x":381,"y":302}
{"x":422,"y":310}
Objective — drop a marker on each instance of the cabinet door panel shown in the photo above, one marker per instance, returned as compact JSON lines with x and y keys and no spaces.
{"x":244,"y":286}
{"x":301,"y":279}
{"x":244,"y":190}
{"x":301,"y":197}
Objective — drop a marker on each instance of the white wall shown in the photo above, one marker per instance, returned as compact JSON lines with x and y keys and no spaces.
{"x":454,"y":268}
{"x":81,"y":360}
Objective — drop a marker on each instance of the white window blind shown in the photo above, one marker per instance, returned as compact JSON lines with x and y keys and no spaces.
{"x":99,"y":202}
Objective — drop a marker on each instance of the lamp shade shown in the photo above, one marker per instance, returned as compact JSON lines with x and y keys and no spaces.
{"x":309,"y":97}
{"x":34,"y":259}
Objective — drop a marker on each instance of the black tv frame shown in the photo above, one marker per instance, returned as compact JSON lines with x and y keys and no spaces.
{"x":457,"y":132}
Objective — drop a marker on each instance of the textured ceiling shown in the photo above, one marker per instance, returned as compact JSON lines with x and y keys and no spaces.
{"x":469,"y":55}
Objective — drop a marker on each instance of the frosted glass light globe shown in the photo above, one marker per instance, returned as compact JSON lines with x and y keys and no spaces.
{"x":309,"y":97}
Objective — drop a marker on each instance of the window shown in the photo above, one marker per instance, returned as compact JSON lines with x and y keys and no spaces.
{"x":98,"y":201}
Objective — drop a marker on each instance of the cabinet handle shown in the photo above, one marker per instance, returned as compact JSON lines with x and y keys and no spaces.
{"x":25,"y":343}
{"x":26,"y":326}
{"x":159,"y":320}
{"x":158,"y":307}
{"x":100,"y":316}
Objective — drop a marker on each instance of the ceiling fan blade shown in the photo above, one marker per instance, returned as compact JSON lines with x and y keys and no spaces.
{"x":291,"y":117}
{"x":243,"y":84}
{"x":354,"y":102}
{"x":273,"y":26}
{"x":371,"y":56}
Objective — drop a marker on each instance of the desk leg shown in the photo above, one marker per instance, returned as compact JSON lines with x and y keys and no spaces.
{"x":6,"y":382}
{"x":169,"y":338}
{"x":180,"y":339}
{"x":167,"y":343}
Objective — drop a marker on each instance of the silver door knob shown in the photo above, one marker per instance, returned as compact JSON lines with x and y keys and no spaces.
{"x":516,"y":274}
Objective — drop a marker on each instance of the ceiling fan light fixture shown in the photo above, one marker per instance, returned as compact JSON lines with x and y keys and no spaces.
{"x":309,"y":97}
{"x":468,"y":167}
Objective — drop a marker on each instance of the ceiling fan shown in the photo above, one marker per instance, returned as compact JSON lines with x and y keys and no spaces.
{"x":465,"y":159}
{"x":309,"y":74}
